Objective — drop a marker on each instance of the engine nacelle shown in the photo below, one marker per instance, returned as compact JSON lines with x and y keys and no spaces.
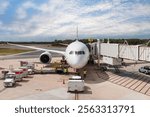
{"x":45,"y":57}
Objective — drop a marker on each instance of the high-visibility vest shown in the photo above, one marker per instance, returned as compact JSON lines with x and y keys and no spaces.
{"x":65,"y":70}
{"x":84,"y":71}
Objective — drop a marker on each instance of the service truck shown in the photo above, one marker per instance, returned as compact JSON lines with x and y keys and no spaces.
{"x":75,"y":84}
{"x":25,"y":71}
{"x":19,"y":74}
{"x":31,"y":68}
{"x":10,"y":79}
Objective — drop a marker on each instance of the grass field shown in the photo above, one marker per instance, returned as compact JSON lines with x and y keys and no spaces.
{"x":8,"y":51}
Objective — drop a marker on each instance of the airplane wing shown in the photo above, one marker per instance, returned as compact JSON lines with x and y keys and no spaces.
{"x":36,"y":48}
{"x":19,"y":55}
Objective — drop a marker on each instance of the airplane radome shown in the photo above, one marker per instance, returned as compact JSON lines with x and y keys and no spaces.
{"x":77,"y":54}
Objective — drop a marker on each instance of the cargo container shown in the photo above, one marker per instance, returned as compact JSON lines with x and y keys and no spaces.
{"x":19,"y":74}
{"x":144,"y":53}
{"x":25,"y":71}
{"x":112,"y":61}
{"x":110,"y":50}
{"x":128,"y":51}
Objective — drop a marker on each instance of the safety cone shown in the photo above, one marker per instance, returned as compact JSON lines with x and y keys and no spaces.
{"x":63,"y":81}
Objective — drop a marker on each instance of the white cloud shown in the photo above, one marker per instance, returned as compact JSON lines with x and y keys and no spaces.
{"x":22,"y":10}
{"x":97,"y":7}
{"x":3,"y":6}
{"x":60,"y":18}
{"x":21,"y":14}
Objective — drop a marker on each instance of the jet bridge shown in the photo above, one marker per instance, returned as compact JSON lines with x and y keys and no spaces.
{"x":121,"y":51}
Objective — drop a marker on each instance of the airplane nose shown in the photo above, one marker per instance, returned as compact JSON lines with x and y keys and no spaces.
{"x":78,"y":62}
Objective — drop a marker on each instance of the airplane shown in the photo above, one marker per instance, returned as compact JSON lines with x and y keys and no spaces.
{"x":76,"y":54}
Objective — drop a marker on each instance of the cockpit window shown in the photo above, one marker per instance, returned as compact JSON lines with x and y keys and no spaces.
{"x":77,"y":52}
{"x":71,"y":52}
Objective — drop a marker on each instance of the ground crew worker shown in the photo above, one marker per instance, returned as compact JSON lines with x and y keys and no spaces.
{"x":84,"y":73}
{"x":65,"y":71}
{"x":56,"y":69}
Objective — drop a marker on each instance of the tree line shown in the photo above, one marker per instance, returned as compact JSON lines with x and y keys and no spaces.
{"x":67,"y":41}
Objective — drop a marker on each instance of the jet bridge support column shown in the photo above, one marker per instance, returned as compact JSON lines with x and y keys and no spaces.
{"x":98,"y":52}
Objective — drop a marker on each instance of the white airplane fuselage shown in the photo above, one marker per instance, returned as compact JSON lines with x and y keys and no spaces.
{"x":77,"y":54}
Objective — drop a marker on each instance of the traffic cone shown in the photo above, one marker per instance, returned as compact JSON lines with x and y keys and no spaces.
{"x":63,"y":81}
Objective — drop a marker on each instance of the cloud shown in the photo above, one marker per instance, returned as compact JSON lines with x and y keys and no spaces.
{"x":97,"y":7}
{"x":3,"y":6}
{"x":59,"y":19}
{"x":22,"y":10}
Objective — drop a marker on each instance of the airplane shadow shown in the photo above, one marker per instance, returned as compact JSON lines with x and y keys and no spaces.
{"x":87,"y":90}
{"x":95,"y":75}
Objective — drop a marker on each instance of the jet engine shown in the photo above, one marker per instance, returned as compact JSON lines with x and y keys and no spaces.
{"x":45,"y":57}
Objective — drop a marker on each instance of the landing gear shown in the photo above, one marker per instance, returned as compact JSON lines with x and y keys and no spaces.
{"x":103,"y":68}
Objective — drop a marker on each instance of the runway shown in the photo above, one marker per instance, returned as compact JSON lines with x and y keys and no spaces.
{"x":32,"y":54}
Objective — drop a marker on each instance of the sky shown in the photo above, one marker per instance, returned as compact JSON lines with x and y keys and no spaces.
{"x":47,"y":20}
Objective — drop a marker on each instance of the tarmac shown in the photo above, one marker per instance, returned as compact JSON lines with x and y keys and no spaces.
{"x":99,"y":85}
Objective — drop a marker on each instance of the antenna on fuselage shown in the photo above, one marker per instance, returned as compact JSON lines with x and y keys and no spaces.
{"x":77,"y":33}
